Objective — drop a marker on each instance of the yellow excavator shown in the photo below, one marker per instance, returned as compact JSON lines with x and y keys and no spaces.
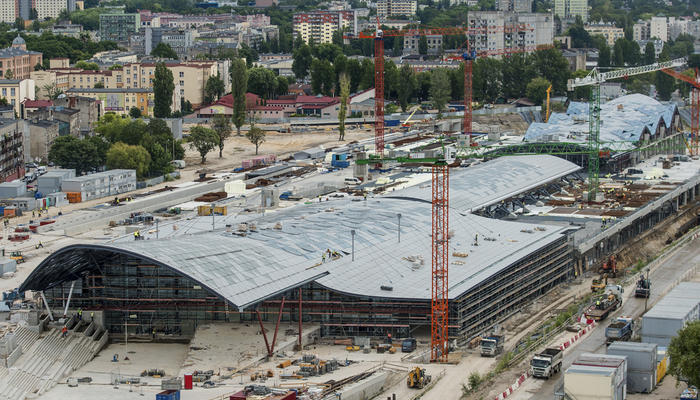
{"x":417,"y":378}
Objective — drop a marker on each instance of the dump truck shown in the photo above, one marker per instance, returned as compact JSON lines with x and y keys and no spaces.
{"x":605,"y":303}
{"x":643,"y":288}
{"x":619,"y":330}
{"x":417,"y":378}
{"x":408,"y":345}
{"x":546,"y":363}
{"x":492,"y":346}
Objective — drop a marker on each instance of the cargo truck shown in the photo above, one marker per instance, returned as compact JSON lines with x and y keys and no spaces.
{"x":619,"y":330}
{"x":492,"y":346}
{"x":547,"y":363}
{"x":606,"y":303}
{"x":643,"y":288}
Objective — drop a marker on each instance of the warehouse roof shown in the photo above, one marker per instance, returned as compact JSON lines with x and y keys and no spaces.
{"x":623,"y":119}
{"x":285,"y":248}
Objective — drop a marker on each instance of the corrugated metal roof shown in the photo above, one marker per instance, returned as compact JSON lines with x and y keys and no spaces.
{"x":622,"y":119}
{"x":677,"y":303}
{"x":285,"y":250}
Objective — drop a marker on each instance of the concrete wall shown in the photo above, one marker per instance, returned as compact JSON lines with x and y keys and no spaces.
{"x":365,"y":389}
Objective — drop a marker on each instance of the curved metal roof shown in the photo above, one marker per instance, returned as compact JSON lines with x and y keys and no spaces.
{"x":285,"y":249}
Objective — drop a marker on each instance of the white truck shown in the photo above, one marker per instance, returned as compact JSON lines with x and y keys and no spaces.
{"x":547,"y":363}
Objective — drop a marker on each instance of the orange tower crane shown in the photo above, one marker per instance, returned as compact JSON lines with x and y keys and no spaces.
{"x":694,"y":146}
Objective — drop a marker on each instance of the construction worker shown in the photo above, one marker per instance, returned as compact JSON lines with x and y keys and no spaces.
{"x":153,"y":332}
{"x":64,"y":331}
{"x":92,"y":316}
{"x":597,"y":304}
{"x":323,"y":257}
{"x":80,"y":314}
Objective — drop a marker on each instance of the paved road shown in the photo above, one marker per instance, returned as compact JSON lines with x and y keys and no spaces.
{"x":663,"y":277}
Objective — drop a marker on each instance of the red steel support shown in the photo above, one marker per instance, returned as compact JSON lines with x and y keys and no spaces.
{"x":379,"y":93}
{"x":467,"y":124}
{"x":277,"y":328}
{"x":440,"y":227}
{"x":262,"y":329}
{"x":695,"y":112}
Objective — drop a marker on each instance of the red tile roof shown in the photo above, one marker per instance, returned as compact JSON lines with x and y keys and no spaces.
{"x":37,"y":103}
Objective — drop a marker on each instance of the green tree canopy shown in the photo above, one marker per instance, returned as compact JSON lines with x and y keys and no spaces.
{"x":439,"y":88}
{"x":302,"y":58}
{"x":239,"y":87}
{"x":214,"y":89}
{"x":134,"y":112}
{"x":163,"y":50}
{"x":221,"y":124}
{"x":256,"y":136}
{"x":344,"y":95}
{"x":124,"y":156}
{"x":537,"y":90}
{"x":163,"y":87}
{"x":73,"y":153}
{"x":203,"y":140}
{"x":91,"y":66}
{"x":684,"y":352}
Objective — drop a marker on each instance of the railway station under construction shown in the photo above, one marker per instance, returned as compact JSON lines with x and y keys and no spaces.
{"x":356,"y":266}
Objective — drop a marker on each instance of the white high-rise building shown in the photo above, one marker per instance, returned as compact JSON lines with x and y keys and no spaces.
{"x":390,"y":8}
{"x":521,"y":31}
{"x":658,"y":28}
{"x":570,"y":9}
{"x":8,"y":11}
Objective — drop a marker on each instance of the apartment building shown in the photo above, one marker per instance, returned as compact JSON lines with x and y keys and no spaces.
{"x":608,"y":30}
{"x":658,"y":28}
{"x":15,"y":91}
{"x":570,"y":9}
{"x":43,"y":80}
{"x":320,"y":25}
{"x":11,"y":149}
{"x":180,"y":40}
{"x":521,"y":31}
{"x":119,"y":101}
{"x":51,"y":8}
{"x":411,"y":42}
{"x":190,"y":77}
{"x":119,"y":26}
{"x":514,"y":5}
{"x":9,"y":11}
{"x":18,"y":60}
{"x":392,"y":8}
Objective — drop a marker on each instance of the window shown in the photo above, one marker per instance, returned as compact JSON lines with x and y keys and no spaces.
{"x":88,"y":79}
{"x":182,"y":74}
{"x":127,"y":99}
{"x":182,"y":83}
{"x":182,"y":92}
{"x":4,"y":92}
{"x":143,"y":80}
{"x":12,"y":91}
{"x":128,"y":80}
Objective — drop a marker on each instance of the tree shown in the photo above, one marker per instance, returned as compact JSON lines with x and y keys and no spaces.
{"x":407,"y":83}
{"x":135,"y":112}
{"x":551,"y":65}
{"x":9,"y":74}
{"x":163,"y":87}
{"x":256,"y":136}
{"x":262,"y":81}
{"x":88,"y":66}
{"x":124,"y":156}
{"x":116,"y":67}
{"x":604,"y":56}
{"x":665,"y":84}
{"x":517,"y":71}
{"x":71,"y":152}
{"x":487,"y":79}
{"x":344,"y":95}
{"x":203,"y":140}
{"x":163,"y":50}
{"x":282,"y":85}
{"x":99,"y":85}
{"x":423,"y":45}
{"x":618,"y":54}
{"x":214,"y":88}
{"x":36,"y":26}
{"x":684,"y":352}
{"x":33,"y":14}
{"x":537,"y":90}
{"x":52,"y":91}
{"x":649,"y":53}
{"x":239,"y":86}
{"x":19,"y":24}
{"x":302,"y":59}
{"x":322,"y":77}
{"x":222,"y":126}
{"x":439,"y":88}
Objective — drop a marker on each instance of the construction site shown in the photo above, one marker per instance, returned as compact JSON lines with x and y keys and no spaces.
{"x":381,"y":268}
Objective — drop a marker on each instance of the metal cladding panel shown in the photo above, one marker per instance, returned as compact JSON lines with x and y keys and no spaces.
{"x":661,"y":341}
{"x":640,"y":356}
{"x":654,"y":326}
{"x":641,"y":381}
{"x":615,"y":362}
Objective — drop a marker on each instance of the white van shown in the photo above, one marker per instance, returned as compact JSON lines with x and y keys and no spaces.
{"x":41,"y":170}
{"x":352,"y":181}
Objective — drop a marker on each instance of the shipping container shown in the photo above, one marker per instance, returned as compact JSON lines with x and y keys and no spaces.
{"x":640,"y":356}
{"x":616,"y":364}
{"x":168,"y":395}
{"x":641,"y":381}
{"x":582,"y":382}
{"x":670,"y":314}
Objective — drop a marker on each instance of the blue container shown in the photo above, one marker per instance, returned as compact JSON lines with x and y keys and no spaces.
{"x":168,"y":395}
{"x":391,"y":122}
